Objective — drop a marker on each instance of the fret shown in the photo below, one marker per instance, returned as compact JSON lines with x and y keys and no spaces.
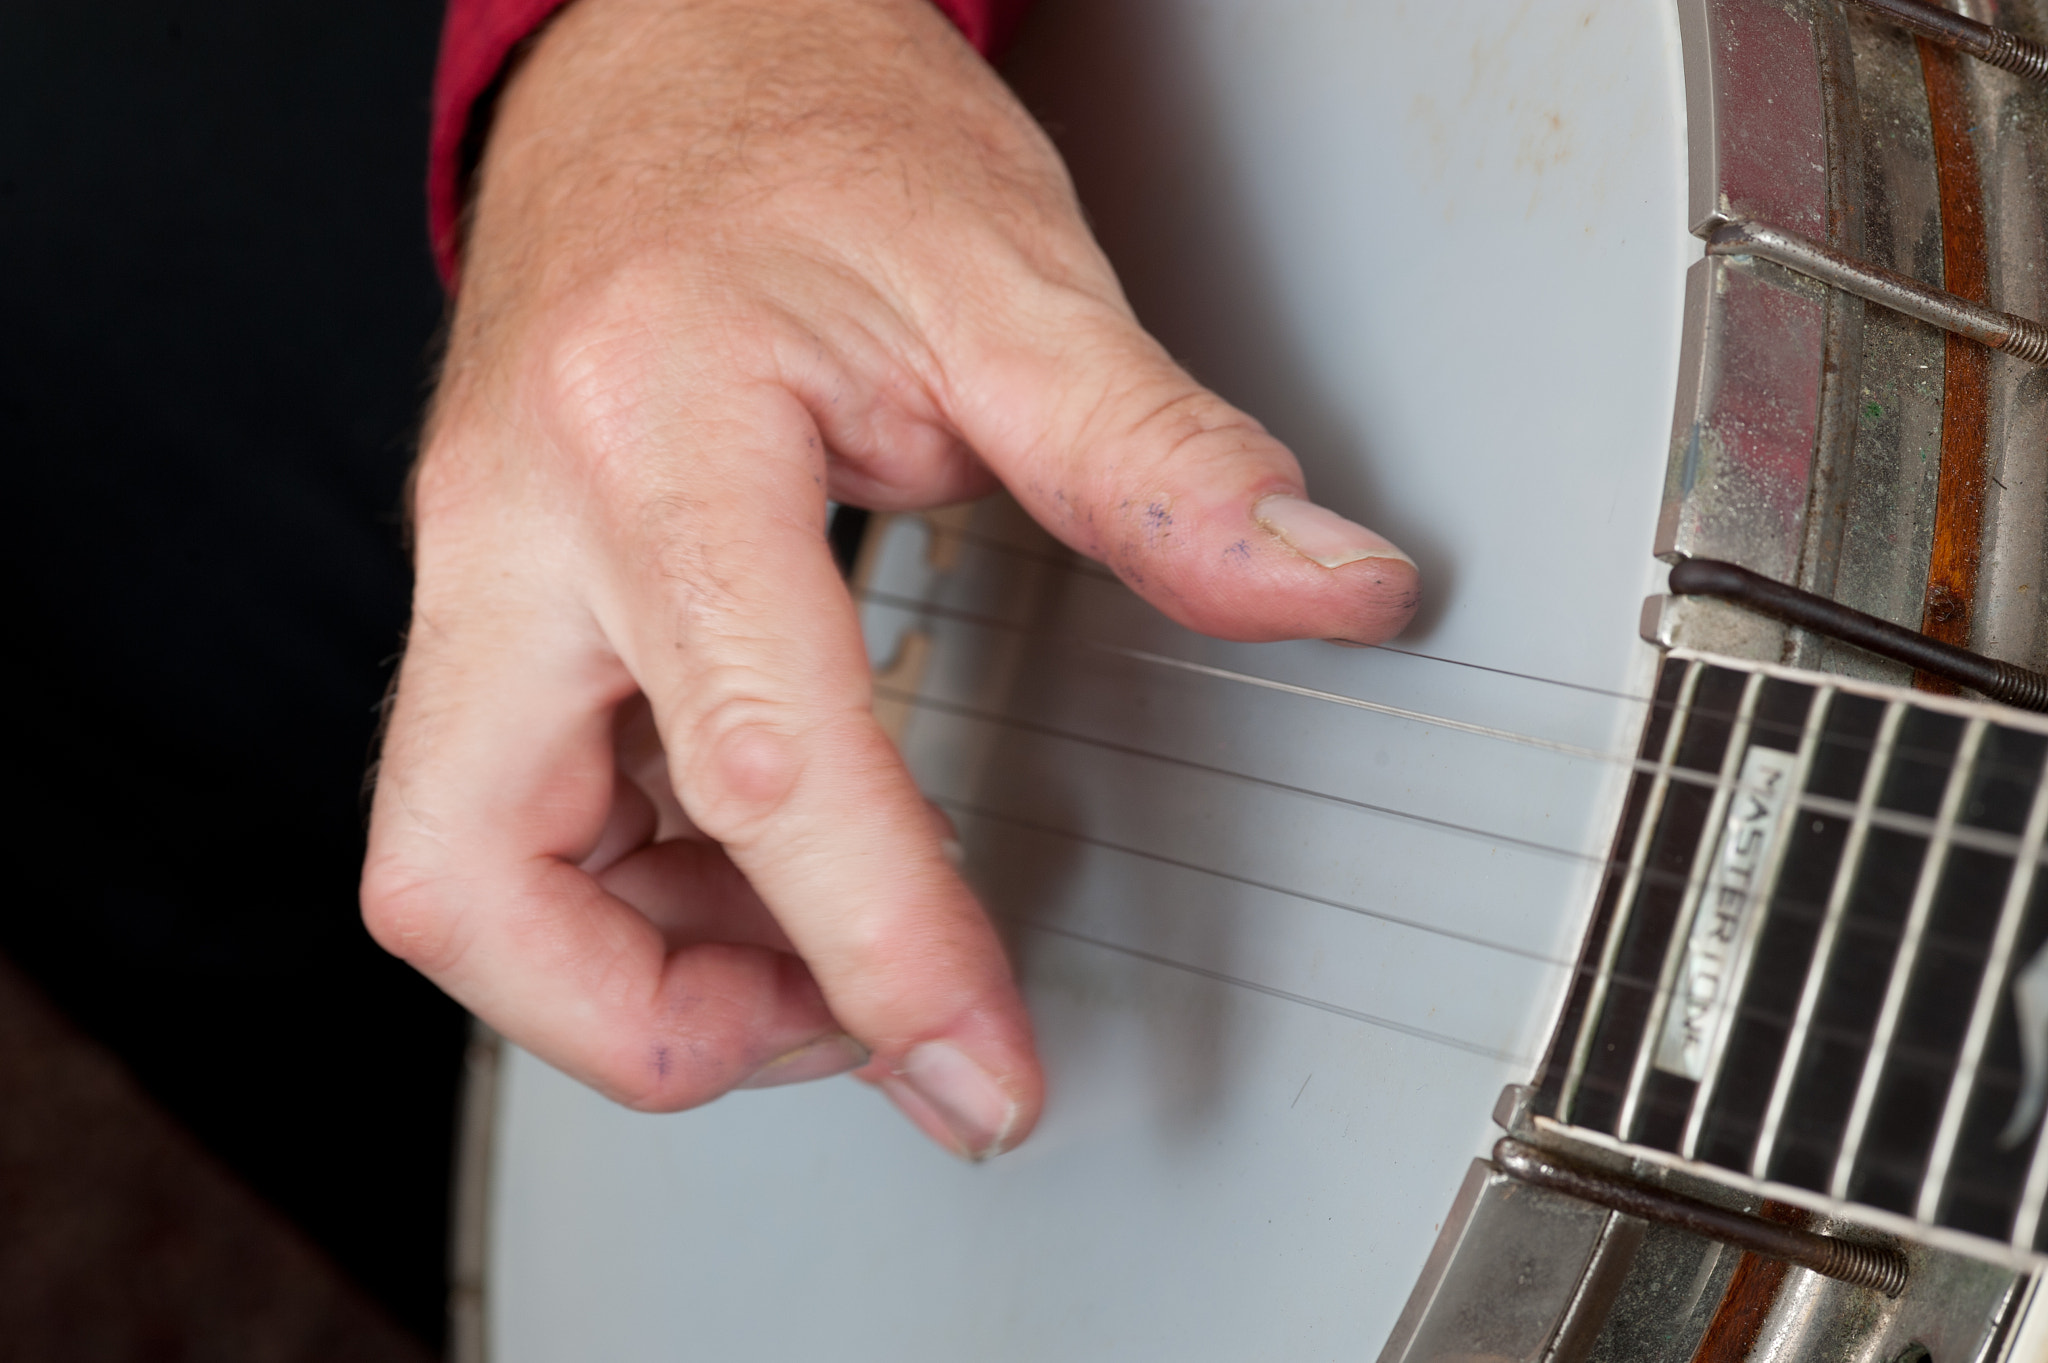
{"x":1830,"y":929}
{"x":1674,"y":952}
{"x":1933,"y":863}
{"x":1886,"y":820}
{"x":1921,"y":826}
{"x":1639,"y":853}
{"x":1766,"y":881}
{"x":1989,"y":991}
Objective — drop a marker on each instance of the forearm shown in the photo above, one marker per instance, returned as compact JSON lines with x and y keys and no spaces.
{"x":479,"y":38}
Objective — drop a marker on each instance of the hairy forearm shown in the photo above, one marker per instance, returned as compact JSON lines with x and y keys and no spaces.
{"x":729,"y":122}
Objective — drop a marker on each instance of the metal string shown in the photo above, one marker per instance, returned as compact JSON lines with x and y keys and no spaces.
{"x":1900,"y":822}
{"x":1065,"y":560}
{"x":1031,"y":825}
{"x":1271,"y":991}
{"x":1897,"y":821}
{"x":1797,"y":910}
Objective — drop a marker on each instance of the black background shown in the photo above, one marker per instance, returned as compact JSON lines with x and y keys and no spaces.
{"x":217,"y":313}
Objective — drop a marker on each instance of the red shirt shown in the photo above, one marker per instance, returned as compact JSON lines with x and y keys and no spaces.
{"x":478,"y":35}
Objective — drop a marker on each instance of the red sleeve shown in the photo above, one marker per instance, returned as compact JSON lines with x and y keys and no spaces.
{"x":478,"y":35}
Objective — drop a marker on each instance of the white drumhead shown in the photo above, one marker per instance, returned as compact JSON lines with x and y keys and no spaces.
{"x":1439,"y":248}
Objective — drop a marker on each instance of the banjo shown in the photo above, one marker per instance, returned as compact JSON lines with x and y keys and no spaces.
{"x":1608,"y":969}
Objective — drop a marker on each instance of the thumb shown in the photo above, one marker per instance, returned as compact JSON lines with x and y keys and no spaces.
{"x":1118,"y":451}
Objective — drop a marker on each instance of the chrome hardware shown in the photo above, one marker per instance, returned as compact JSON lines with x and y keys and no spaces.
{"x":2018,"y":336}
{"x":1993,"y":46}
{"x":1874,"y":1266}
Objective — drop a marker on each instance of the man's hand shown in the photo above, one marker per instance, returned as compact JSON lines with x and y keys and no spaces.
{"x":730,"y":257}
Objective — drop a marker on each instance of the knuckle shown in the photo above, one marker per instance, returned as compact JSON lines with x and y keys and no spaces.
{"x":408,"y":913}
{"x":740,"y":766}
{"x":610,"y":363}
{"x":1176,"y":424}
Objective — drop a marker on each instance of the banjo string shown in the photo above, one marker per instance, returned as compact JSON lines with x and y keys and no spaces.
{"x":1066,"y":560}
{"x":1125,"y":849}
{"x":1274,"y":991}
{"x":1793,"y":909}
{"x":1783,"y":906}
{"x":1980,"y":839}
{"x":1780,"y":906}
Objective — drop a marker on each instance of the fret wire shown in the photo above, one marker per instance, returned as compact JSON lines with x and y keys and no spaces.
{"x":1273,"y":991}
{"x":1758,"y":916}
{"x":1976,"y":838}
{"x":1933,"y":862}
{"x":1087,"y":839}
{"x":1990,"y":988}
{"x":1824,"y":942}
{"x":1624,"y":903}
{"x":1688,"y":905}
{"x":1921,"y":826}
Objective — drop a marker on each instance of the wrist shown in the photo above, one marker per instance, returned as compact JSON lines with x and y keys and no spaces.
{"x":481,"y":43}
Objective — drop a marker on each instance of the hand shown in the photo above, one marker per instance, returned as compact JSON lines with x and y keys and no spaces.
{"x":730,"y":257}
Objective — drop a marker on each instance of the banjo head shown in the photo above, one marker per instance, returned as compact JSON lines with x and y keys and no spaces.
{"x":1291,"y":917}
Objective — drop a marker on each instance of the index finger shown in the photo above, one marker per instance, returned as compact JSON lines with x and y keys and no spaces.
{"x":752,"y":657}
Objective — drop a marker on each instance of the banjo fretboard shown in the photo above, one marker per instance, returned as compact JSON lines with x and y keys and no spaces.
{"x":1820,"y":957}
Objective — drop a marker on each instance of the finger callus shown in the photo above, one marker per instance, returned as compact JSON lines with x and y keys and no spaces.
{"x":760,"y":684}
{"x":1115,"y":449}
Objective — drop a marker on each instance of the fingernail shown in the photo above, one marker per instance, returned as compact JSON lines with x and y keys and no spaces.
{"x":1320,"y":534}
{"x":820,"y":1059}
{"x":953,"y":852}
{"x":974,"y":1109}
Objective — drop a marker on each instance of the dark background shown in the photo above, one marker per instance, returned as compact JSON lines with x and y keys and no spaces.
{"x":217,"y":314}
